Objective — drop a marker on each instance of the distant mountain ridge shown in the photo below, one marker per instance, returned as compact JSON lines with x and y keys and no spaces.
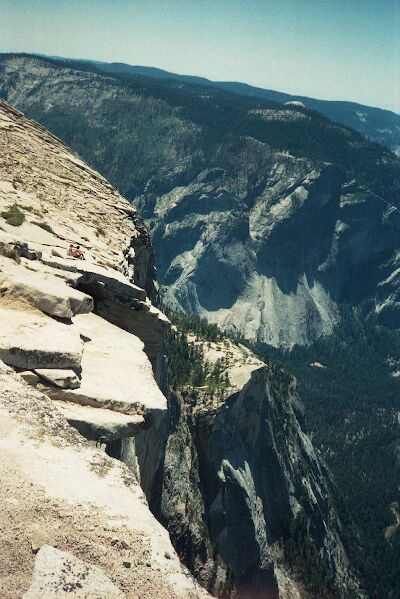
{"x":378,"y":124}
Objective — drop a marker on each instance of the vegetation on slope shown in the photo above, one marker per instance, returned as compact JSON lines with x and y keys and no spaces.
{"x":187,"y":365}
{"x":13,"y":216}
{"x":303,"y":558}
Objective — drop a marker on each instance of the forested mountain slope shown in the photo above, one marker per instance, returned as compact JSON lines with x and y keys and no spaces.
{"x":382,"y":126}
{"x":264,"y":218}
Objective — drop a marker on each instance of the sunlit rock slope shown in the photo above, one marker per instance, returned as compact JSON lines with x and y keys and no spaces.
{"x":78,"y":343}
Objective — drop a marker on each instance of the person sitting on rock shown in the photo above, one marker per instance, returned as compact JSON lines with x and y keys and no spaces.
{"x":79,"y":253}
{"x":75,"y":251}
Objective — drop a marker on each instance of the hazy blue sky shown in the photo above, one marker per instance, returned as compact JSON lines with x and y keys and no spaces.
{"x":334,"y":49}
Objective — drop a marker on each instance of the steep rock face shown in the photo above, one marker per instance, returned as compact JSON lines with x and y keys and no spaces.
{"x":65,"y":361}
{"x":274,"y":264}
{"x":243,"y":260}
{"x":240,"y":479}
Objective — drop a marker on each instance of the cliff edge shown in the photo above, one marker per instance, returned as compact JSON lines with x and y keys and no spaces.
{"x":79,"y":340}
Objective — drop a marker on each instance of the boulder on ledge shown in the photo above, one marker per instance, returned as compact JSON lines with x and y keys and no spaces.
{"x":98,"y":423}
{"x":29,"y":339}
{"x":45,"y":292}
{"x":116,"y":373}
{"x":66,"y":379}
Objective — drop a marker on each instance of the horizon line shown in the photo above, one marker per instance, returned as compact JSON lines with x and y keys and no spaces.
{"x":206,"y":79}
